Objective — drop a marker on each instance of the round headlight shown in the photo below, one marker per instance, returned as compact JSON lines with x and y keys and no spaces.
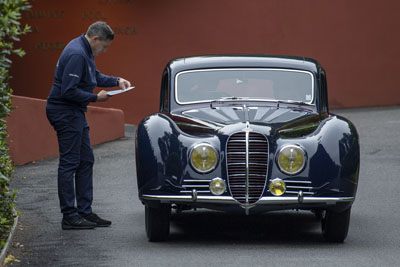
{"x":203,"y":158}
{"x":291,"y":159}
{"x":217,"y":186}
{"x":277,"y":187}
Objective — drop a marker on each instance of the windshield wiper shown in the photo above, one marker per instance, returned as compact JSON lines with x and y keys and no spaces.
{"x":294,"y":102}
{"x":299,"y":104}
{"x":231,"y":98}
{"x":227,"y":99}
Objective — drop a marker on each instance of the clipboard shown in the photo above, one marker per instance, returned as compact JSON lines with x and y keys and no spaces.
{"x":119,"y":91}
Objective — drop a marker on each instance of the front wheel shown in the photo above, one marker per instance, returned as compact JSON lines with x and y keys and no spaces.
{"x":157,"y":222}
{"x":335,"y":225}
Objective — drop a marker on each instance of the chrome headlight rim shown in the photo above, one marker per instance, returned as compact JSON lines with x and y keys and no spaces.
{"x":191,"y":158}
{"x":304,"y":159}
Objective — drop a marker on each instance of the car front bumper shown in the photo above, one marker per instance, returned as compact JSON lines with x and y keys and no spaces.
{"x":269,"y":200}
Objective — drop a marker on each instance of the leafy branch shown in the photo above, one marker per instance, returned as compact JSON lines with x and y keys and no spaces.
{"x":10,"y":30}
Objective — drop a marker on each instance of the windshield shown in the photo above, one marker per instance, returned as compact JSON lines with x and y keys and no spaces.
{"x":250,"y":84}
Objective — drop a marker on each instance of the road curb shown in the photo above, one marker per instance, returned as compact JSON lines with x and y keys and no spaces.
{"x":4,"y":251}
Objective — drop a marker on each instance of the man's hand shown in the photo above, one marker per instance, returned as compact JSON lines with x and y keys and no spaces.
{"x":124,"y":83}
{"x":102,"y":96}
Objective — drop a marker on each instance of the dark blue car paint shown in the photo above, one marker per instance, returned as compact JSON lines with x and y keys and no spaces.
{"x":164,"y":139}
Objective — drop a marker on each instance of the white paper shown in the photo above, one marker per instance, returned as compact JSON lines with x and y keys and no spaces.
{"x":119,"y":91}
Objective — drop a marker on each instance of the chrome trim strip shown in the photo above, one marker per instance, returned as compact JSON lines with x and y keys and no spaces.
{"x":299,"y":187}
{"x":261,"y":201}
{"x":236,"y":175}
{"x":294,"y":181}
{"x":236,"y":163}
{"x":196,"y":181}
{"x":296,"y":192}
{"x":195,"y":185}
{"x":198,"y":191}
{"x":310,"y":103}
{"x":259,"y":175}
{"x":247,"y":156}
{"x":258,"y":164}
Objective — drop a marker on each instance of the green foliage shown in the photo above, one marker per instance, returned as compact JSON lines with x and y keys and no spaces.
{"x":10,"y":30}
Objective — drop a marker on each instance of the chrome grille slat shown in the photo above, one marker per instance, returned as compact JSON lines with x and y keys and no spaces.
{"x":198,"y":191}
{"x":298,"y":182}
{"x":257,"y":164}
{"x":200,"y":185}
{"x":243,"y":198}
{"x":194,"y":186}
{"x":247,"y":163}
{"x":250,"y":186}
{"x":195,"y":181}
{"x":296,"y":193}
{"x":298,"y":187}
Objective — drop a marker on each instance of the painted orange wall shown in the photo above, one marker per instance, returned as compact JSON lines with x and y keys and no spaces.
{"x":355,"y":41}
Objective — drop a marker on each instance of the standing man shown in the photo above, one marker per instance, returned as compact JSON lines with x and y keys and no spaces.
{"x":75,"y":78}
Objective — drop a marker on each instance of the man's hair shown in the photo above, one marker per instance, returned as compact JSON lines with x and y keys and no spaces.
{"x":102,"y":30}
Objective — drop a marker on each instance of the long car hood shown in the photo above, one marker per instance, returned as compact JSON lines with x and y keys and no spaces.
{"x":217,"y":118}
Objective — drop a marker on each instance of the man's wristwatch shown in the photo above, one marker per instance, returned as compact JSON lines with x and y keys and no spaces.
{"x":117,"y":81}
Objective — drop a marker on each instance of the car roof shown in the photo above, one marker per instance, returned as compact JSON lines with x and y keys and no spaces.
{"x":248,"y":61}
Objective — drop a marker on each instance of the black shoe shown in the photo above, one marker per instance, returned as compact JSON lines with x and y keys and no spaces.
{"x":76,"y":222}
{"x":92,"y":217}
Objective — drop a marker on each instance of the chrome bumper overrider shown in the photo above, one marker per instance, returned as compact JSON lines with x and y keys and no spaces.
{"x":262,"y":201}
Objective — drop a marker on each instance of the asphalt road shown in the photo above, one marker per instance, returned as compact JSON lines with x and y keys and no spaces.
{"x":207,"y":238}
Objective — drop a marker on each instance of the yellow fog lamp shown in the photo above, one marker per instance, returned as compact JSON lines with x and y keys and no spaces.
{"x":291,"y":159}
{"x":217,"y":186}
{"x":203,"y":158}
{"x":277,"y":187}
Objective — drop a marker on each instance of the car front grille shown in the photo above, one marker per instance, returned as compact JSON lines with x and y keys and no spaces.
{"x":247,"y":161}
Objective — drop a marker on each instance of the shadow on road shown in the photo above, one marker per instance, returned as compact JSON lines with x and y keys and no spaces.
{"x":274,"y":227}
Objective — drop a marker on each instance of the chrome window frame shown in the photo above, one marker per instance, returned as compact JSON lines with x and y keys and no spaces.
{"x":250,"y":99}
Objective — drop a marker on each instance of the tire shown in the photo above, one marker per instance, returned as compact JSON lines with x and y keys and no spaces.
{"x":318,"y":214}
{"x":157,"y":222}
{"x":335,"y":225}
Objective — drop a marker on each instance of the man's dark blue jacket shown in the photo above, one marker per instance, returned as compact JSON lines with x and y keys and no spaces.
{"x":76,"y":76}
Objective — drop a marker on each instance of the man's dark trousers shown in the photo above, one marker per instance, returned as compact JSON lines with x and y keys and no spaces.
{"x":76,"y":160}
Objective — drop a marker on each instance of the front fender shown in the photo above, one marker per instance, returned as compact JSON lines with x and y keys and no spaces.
{"x":158,"y":151}
{"x":335,"y":157}
{"x":162,"y":155}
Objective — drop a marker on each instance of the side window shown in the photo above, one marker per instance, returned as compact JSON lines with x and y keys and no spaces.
{"x":324,"y":92}
{"x":164,"y":93}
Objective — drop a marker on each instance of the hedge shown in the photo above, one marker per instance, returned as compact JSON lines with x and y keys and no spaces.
{"x":10,"y":30}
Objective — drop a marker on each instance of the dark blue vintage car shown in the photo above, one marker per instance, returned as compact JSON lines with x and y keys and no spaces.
{"x":249,"y":134}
